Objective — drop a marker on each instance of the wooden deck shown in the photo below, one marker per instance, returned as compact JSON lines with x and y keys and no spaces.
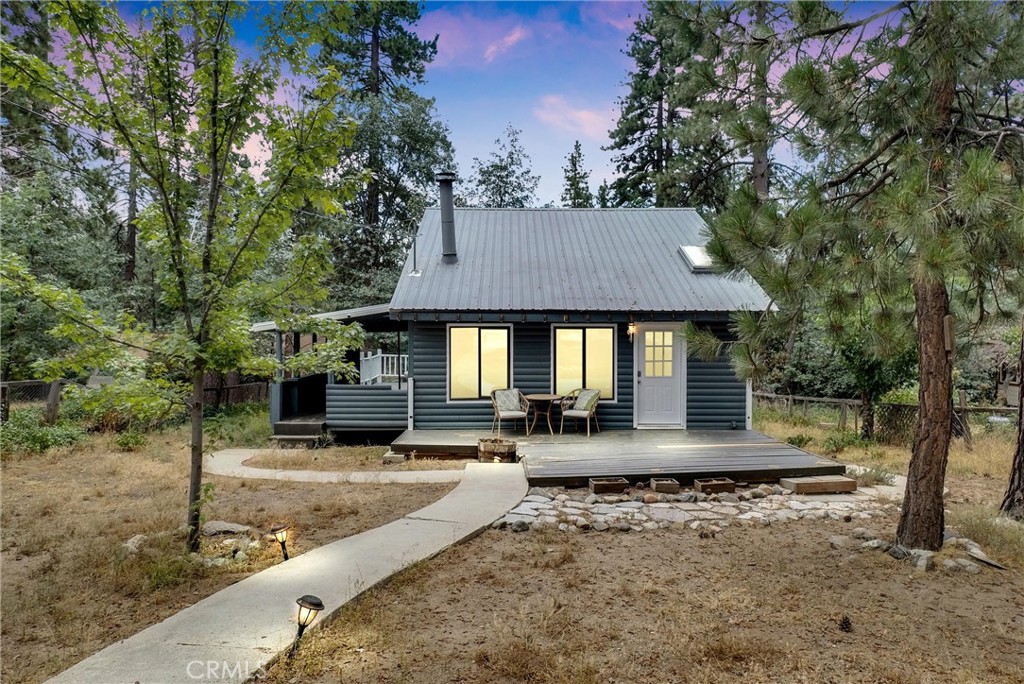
{"x":637,"y":455}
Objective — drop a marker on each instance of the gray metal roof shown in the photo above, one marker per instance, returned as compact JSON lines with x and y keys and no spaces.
{"x":357,"y":314}
{"x":568,"y":260}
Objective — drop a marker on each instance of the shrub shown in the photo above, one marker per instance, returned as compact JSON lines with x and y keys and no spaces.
{"x":799,"y":440}
{"x":134,"y":404}
{"x":838,"y":441}
{"x":240,"y":425}
{"x":24,"y":432}
{"x":130,"y":441}
{"x":901,"y":395}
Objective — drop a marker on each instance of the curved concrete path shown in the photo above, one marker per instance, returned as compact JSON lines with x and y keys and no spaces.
{"x":229,"y":462}
{"x":231,"y":635}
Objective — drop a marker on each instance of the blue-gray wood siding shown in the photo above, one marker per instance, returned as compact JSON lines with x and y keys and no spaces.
{"x":715,"y":398}
{"x":531,"y":373}
{"x":367,"y":407}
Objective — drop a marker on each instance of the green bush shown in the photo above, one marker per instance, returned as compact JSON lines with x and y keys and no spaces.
{"x":239,"y":425}
{"x":838,"y":441}
{"x":901,"y":395}
{"x":799,"y":440}
{"x":135,"y":404}
{"x":131,"y":441}
{"x":25,"y":433}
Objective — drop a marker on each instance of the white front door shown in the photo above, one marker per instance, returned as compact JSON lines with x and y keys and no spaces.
{"x":660,"y":377}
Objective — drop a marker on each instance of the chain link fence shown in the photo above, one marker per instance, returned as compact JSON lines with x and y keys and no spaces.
{"x":26,"y":391}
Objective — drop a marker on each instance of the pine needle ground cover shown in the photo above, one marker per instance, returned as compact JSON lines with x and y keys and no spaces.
{"x":69,"y":587}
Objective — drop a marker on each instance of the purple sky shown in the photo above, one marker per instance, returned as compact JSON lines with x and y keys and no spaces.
{"x":552,"y":69}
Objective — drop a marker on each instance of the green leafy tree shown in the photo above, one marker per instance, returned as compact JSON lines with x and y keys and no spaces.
{"x":215,"y":222}
{"x":505,"y":179}
{"x":576,"y":192}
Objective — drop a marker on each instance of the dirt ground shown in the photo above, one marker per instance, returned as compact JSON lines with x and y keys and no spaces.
{"x":754,"y":604}
{"x":68,"y":586}
{"x":346,"y":458}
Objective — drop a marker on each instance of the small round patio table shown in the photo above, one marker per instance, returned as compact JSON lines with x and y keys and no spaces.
{"x":545,"y":401}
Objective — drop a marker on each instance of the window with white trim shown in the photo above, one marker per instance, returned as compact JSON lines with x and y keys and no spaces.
{"x":478,"y":361}
{"x":584,"y":357}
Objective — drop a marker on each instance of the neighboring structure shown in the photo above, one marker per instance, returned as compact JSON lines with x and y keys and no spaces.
{"x":1008,"y":383}
{"x":549,"y":300}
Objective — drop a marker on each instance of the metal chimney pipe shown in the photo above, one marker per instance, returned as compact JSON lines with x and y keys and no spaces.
{"x":448,"y":254}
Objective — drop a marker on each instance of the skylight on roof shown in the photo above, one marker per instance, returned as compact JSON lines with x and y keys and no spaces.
{"x":696,"y":257}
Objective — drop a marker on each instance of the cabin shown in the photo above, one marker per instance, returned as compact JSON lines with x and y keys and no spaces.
{"x":545,"y":300}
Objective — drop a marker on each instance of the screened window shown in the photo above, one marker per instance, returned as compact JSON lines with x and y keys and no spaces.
{"x":585,"y":357}
{"x":477,"y":361}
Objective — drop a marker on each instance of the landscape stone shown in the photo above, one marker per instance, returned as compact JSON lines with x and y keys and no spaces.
{"x":650,"y":498}
{"x":520,"y":526}
{"x":536,"y":498}
{"x":899,"y":552}
{"x":623,"y":526}
{"x":876,"y":544}
{"x":841,"y":542}
{"x":688,"y":497}
{"x":133,"y":544}
{"x":540,"y":491}
{"x":923,"y":563}
{"x":600,"y":526}
{"x":863,"y":533}
{"x":728,"y":498}
{"x":592,"y":499}
{"x":214,"y":527}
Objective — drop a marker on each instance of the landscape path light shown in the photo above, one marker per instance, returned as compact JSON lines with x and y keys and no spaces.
{"x":309,"y":607}
{"x":280,"y":533}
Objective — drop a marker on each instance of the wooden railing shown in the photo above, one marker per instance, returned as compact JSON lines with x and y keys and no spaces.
{"x":377,"y":367}
{"x":792,"y":404}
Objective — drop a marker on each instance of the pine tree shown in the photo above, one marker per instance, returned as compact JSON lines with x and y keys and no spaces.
{"x":399,"y":142}
{"x":576,"y":193}
{"x":1013,"y":501}
{"x":505,"y":180}
{"x":604,"y":195}
{"x":914,"y":210}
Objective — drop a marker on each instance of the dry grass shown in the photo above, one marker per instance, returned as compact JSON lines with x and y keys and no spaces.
{"x":66,"y":514}
{"x":344,"y":459}
{"x":755,"y":605}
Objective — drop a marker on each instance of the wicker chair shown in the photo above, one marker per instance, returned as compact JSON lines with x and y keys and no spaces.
{"x":509,"y":404}
{"x":580,"y":403}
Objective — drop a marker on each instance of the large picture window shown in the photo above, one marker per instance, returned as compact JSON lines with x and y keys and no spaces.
{"x":585,"y":357}
{"x":477,"y":361}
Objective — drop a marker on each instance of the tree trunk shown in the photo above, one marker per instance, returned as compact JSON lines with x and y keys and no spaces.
{"x":373,"y":162}
{"x":759,"y":168}
{"x":867,"y":412}
{"x":1013,"y":502}
{"x":131,"y":229}
{"x":922,"y":519}
{"x":195,"y":480}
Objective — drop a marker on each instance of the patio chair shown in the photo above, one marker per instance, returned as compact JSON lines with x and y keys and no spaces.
{"x":580,"y":403}
{"x":509,"y":404}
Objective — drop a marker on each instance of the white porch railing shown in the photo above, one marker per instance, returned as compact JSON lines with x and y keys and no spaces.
{"x":377,"y":367}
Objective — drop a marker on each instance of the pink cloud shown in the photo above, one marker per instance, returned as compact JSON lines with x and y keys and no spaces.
{"x":471,"y":35}
{"x":619,"y":15}
{"x":506,"y":43}
{"x":556,"y":111}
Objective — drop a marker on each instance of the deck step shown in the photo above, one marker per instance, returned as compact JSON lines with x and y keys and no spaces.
{"x":309,"y":441}
{"x":822,"y":484}
{"x":299,"y":427}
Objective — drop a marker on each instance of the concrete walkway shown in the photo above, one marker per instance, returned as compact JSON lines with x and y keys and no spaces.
{"x":229,"y":462}
{"x":231,"y":635}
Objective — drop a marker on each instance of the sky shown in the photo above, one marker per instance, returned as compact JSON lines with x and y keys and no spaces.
{"x":553,"y":70}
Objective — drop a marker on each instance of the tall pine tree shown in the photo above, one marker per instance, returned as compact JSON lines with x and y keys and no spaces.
{"x":576,"y":191}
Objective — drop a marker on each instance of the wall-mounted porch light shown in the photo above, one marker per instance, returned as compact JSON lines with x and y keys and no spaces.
{"x":309,"y":607}
{"x":280,"y":533}
{"x":631,"y":330}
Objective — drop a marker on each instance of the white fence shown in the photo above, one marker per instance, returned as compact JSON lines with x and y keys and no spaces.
{"x":377,"y":367}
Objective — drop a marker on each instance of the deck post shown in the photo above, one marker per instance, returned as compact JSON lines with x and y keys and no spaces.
{"x":409,"y":389}
{"x":275,"y":386}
